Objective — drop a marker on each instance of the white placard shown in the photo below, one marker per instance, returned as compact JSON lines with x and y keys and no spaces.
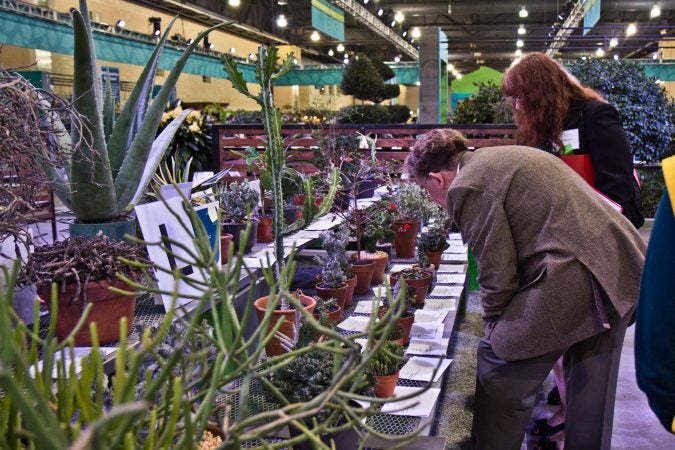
{"x":398,"y":267}
{"x":451,"y":268}
{"x":168,"y":219}
{"x":263,"y":258}
{"x":421,"y":405}
{"x":446,"y":291}
{"x":451,"y":278}
{"x":304,"y":234}
{"x":454,"y":258}
{"x":427,"y":331}
{"x":454,"y":249}
{"x":322,"y":225}
{"x":366,"y":306}
{"x":440,"y":304}
{"x":355,"y":323}
{"x":170,"y":191}
{"x":79,"y":352}
{"x":380,"y":291}
{"x":419,"y":368}
{"x":430,"y":348}
{"x":430,"y":315}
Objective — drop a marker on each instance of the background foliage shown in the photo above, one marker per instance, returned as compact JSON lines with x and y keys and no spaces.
{"x":485,"y":106}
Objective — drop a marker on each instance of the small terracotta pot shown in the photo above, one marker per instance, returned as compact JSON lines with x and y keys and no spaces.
{"x":334,"y":317}
{"x":434,"y":258}
{"x":364,"y":275}
{"x":385,"y":385}
{"x":237,"y":230}
{"x":404,"y":242}
{"x":288,"y":327}
{"x":336,"y":293}
{"x":405,"y":323}
{"x":107,"y":310}
{"x":380,"y":259}
{"x":349,"y":295}
{"x":421,"y":286}
{"x":265,"y":232}
{"x":225,"y":242}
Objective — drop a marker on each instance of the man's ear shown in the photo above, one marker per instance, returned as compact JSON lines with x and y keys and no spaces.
{"x":437,"y":177}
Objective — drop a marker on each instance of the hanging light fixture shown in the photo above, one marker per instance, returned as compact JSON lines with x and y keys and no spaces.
{"x":340,"y":48}
{"x":315,"y":36}
{"x":521,"y":30}
{"x":234,"y":3}
{"x":330,"y":52}
{"x":523,"y":12}
{"x":399,"y":17}
{"x":631,"y":29}
{"x":655,"y":12}
{"x":616,"y":57}
{"x":518,"y":53}
{"x":397,"y":58}
{"x":599,"y":53}
{"x":519,"y":43}
{"x":156,"y":25}
{"x":380,"y":12}
{"x":613,"y":42}
{"x":282,"y":22}
{"x":416,"y":33}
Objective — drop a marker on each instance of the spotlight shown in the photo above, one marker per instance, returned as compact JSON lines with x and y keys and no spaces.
{"x":405,"y":33}
{"x":340,"y":48}
{"x":631,"y":29}
{"x":234,"y":3}
{"x":399,"y":17}
{"x":523,"y":12}
{"x":282,"y":22}
{"x":599,"y":53}
{"x":519,"y":43}
{"x":521,"y":30}
{"x":331,"y":52}
{"x":190,"y":41}
{"x":518,"y":53}
{"x":613,"y":42}
{"x":397,"y":58}
{"x":450,"y":67}
{"x":207,"y":45}
{"x":251,"y":56}
{"x":365,"y":2}
{"x":233,"y":50}
{"x":315,"y":36}
{"x":655,"y":12}
{"x":156,"y":25}
{"x":416,"y":33}
{"x":616,"y":57}
{"x":380,"y":12}
{"x":120,"y":23}
{"x":393,"y":23}
{"x":655,"y":56}
{"x":295,"y":61}
{"x":459,"y":76}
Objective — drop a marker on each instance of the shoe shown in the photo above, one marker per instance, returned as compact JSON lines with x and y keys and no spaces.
{"x":542,"y":428}
{"x":553,"y":397}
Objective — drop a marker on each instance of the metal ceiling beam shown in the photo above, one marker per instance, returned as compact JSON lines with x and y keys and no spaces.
{"x":572,"y":21}
{"x":363,"y":16}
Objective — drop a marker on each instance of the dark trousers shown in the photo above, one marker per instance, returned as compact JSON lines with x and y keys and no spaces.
{"x":506,"y":392}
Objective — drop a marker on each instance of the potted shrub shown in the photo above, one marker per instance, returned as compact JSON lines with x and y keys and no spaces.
{"x":333,"y":283}
{"x":112,"y":159}
{"x":334,"y":242}
{"x":409,"y":199}
{"x":238,"y":203}
{"x":415,"y":277}
{"x":84,"y":268}
{"x":384,"y":365}
{"x":430,"y":246}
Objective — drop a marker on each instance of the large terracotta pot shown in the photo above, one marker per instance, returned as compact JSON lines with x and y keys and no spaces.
{"x":289,"y":327}
{"x":265,"y":232}
{"x":107,"y":310}
{"x":349,"y":296}
{"x":421,"y":286}
{"x":434,"y":258}
{"x":364,"y":274}
{"x":225,"y":243}
{"x":405,"y":233}
{"x":337,"y":293}
{"x":385,"y":385}
{"x":380,"y":259}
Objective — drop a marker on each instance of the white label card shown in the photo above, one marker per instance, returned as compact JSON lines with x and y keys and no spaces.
{"x":570,"y":139}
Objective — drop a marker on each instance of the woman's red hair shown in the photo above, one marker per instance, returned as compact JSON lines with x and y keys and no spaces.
{"x":544,"y":90}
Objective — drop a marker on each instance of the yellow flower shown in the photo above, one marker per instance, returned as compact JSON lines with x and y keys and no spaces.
{"x":194,"y":116}
{"x":175,"y":112}
{"x":194,"y":128}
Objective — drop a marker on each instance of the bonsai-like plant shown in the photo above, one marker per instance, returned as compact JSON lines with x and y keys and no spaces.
{"x":112,"y":159}
{"x":365,"y":80}
{"x":410,"y":200}
{"x":379,"y":228}
{"x":387,"y":360}
{"x":432,"y":240}
{"x":238,"y":202}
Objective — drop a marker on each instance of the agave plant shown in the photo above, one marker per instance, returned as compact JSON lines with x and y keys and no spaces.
{"x":113,"y":159}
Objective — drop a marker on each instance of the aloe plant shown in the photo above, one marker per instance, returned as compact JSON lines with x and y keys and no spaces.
{"x":113,"y":159}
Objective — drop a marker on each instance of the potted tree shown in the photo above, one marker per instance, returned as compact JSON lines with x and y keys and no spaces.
{"x":409,"y":199}
{"x":112,"y":158}
{"x":430,"y":246}
{"x":238,"y":204}
{"x":384,"y":365}
{"x":415,"y":277}
{"x":83,"y":268}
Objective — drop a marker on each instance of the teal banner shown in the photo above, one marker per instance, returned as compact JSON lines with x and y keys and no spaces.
{"x":591,"y":14}
{"x":328,"y":19}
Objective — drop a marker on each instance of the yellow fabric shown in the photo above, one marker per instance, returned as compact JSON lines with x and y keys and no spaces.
{"x":668,"y":166}
{"x":672,"y":427}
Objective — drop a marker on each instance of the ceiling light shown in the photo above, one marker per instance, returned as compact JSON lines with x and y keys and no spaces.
{"x":295,"y":61}
{"x":397,"y":58}
{"x":340,"y":48}
{"x":233,"y":2}
{"x":523,"y":12}
{"x":120,"y":23}
{"x":380,"y":12}
{"x":613,"y":42}
{"x":417,"y":83}
{"x":599,"y":53}
{"x":521,"y":30}
{"x":282,"y":2}
{"x":346,"y":61}
{"x":655,"y":55}
{"x":459,"y":76}
{"x":455,"y":72}
{"x":251,"y":56}
{"x":233,"y":50}
{"x":190,"y":41}
{"x":655,"y":12}
{"x":405,"y":33}
{"x":365,"y":2}
{"x":616,"y":57}
{"x":399,"y":17}
{"x":631,"y":29}
{"x":663,"y":32}
{"x":519,"y":52}
{"x":584,"y":58}
{"x":519,"y":43}
{"x":450,"y":67}
{"x":315,"y":36}
{"x":416,"y":33}
{"x":346,"y":56}
{"x":331,"y":52}
{"x":393,"y":23}
{"x":282,"y":22}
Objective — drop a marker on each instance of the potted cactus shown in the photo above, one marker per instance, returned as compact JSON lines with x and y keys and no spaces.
{"x":238,"y":203}
{"x":113,"y":158}
{"x":384,"y":365}
{"x":415,"y":277}
{"x":334,"y":242}
{"x":430,"y":246}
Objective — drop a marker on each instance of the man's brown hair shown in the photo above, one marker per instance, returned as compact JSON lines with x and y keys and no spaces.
{"x":435,"y":151}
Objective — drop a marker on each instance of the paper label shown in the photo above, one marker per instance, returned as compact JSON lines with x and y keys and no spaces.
{"x":570,"y":140}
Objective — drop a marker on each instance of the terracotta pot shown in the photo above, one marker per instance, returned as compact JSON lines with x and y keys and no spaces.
{"x":405,"y":323}
{"x":380,"y":259}
{"x":421,"y":286}
{"x":265,"y":232}
{"x":225,"y":242}
{"x":334,"y":317}
{"x":364,"y":275}
{"x":336,"y":293}
{"x":404,"y":242}
{"x":349,"y":295}
{"x":385,"y":384}
{"x":299,"y":199}
{"x":237,"y":229}
{"x":434,"y":258}
{"x":107,"y":310}
{"x":289,"y":327}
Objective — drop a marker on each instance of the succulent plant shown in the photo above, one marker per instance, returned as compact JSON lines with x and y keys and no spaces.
{"x":332,"y":275}
{"x":335,"y":245}
{"x":238,"y":201}
{"x":387,"y":360}
{"x":411,"y":201}
{"x":113,"y":159}
{"x":432,"y":240}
